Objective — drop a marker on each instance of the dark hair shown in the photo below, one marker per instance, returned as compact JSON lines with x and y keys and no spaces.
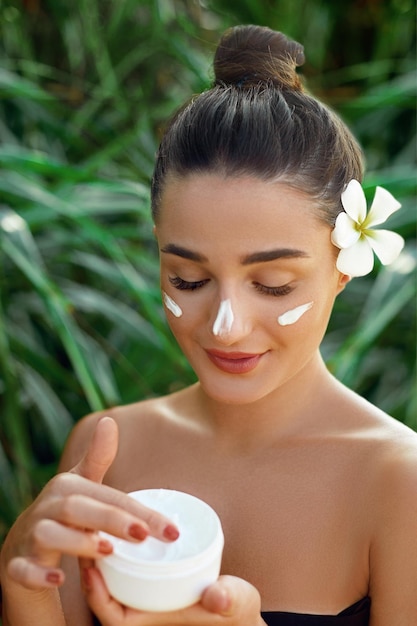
{"x":257,"y":119}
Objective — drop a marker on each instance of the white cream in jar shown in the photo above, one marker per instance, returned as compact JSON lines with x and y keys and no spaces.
{"x":158,"y":576}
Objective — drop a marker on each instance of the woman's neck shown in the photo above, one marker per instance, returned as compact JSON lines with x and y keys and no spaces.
{"x":296,"y":407}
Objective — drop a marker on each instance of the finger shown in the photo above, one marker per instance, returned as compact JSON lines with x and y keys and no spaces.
{"x":86,"y":515}
{"x":84,"y":562}
{"x":101,"y":451}
{"x":231,"y":597}
{"x":99,"y":507}
{"x":108,"y":610}
{"x":218,"y":598}
{"x":33,"y":576}
{"x":50,"y":539}
{"x":97,"y":460}
{"x":240,"y":612}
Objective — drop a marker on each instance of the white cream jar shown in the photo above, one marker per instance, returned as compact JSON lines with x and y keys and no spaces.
{"x":158,"y":576}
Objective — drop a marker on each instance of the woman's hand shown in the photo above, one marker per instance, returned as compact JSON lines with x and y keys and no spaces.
{"x":229,"y":601}
{"x":67,"y":514}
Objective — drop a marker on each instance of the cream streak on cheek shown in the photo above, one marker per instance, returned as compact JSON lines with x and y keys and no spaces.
{"x":171,"y":305}
{"x":292,"y":316}
{"x":224,"y":320}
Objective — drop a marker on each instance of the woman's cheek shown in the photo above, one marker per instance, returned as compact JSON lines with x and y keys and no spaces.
{"x":292,"y":316}
{"x":171,"y":305}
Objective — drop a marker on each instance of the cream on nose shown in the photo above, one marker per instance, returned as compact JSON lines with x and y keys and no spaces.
{"x":224,"y":320}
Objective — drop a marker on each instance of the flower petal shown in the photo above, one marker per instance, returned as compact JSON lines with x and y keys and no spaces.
{"x":357,"y":260}
{"x":344,"y":233}
{"x":386,"y":244}
{"x":383,"y":205}
{"x":354,"y":201}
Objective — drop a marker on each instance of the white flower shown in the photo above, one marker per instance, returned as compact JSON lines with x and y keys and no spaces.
{"x":354,"y":233}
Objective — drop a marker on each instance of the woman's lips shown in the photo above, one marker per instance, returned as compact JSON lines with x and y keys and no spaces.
{"x":234,"y":362}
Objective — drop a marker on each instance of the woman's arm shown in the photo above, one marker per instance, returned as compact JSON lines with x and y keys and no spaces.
{"x":393,"y":553}
{"x":64,"y":520}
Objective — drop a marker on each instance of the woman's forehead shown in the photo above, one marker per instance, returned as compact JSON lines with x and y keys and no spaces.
{"x":245,"y":208}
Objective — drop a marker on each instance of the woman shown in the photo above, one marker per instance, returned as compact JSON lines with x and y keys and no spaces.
{"x":260,"y":221}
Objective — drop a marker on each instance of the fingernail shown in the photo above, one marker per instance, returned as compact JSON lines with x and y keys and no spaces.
{"x":104,"y":547}
{"x":171,"y":532}
{"x":53,"y":577}
{"x":86,"y":578}
{"x":136,"y":531}
{"x":225,"y":602}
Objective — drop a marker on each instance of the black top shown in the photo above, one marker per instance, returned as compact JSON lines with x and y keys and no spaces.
{"x":355,"y":615}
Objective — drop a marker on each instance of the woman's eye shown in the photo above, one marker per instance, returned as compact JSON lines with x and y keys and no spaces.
{"x":183,"y":285}
{"x":283,"y":290}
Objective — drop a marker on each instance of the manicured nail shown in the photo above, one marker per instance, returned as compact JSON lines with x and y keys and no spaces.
{"x":136,"y":531}
{"x":171,"y":532}
{"x":104,"y":547}
{"x":54,"y":578}
{"x":86,"y":578}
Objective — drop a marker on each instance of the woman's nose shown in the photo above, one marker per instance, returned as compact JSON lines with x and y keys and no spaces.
{"x":229,"y":324}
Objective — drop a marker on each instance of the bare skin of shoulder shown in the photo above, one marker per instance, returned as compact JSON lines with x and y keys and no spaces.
{"x":299,"y":497}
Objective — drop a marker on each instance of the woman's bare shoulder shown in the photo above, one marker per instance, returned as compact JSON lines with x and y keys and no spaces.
{"x":390,"y":447}
{"x":383,"y":449}
{"x":132,"y":419}
{"x":355,"y":413}
{"x":391,"y":482}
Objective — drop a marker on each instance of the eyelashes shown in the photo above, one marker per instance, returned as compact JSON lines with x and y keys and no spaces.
{"x":284,"y":290}
{"x":185,"y":285}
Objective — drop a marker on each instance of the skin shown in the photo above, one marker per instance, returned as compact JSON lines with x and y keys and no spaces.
{"x":315,"y":487}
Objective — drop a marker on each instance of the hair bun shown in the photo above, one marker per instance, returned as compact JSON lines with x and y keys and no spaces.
{"x":248,"y":55}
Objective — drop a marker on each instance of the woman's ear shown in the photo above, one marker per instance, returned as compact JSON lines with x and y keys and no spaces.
{"x":342,"y":281}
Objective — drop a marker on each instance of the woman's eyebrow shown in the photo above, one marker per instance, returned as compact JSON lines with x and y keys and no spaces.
{"x":272,"y":255}
{"x":185,"y":253}
{"x":255,"y":257}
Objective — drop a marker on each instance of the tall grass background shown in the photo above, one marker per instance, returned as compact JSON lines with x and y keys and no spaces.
{"x":85,"y":88}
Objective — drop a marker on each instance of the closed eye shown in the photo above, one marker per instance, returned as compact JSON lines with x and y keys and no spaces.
{"x":283,"y":290}
{"x":187,"y":285}
{"x":184,"y":285}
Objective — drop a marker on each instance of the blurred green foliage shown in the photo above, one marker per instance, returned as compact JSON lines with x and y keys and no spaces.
{"x":85,"y":88}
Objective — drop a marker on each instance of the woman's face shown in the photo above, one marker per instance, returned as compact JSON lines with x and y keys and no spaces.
{"x":248,"y":278}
